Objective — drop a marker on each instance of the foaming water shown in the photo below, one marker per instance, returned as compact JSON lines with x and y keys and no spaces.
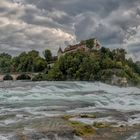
{"x":24,"y":101}
{"x":31,"y":97}
{"x":135,"y":136}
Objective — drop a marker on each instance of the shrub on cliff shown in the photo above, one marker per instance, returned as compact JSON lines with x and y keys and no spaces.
{"x":94,"y":65}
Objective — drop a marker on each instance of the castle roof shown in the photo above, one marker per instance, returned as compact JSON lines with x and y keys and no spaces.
{"x":73,"y":47}
{"x":60,"y":50}
{"x":82,"y":45}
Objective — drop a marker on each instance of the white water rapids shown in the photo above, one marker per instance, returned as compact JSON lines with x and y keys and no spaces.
{"x":24,"y":101}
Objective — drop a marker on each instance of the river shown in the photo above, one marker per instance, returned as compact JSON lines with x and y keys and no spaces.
{"x":24,"y":102}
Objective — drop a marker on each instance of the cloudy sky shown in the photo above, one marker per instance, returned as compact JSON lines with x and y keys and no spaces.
{"x":40,"y":24}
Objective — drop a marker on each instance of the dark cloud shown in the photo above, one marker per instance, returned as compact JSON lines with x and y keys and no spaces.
{"x":40,"y":24}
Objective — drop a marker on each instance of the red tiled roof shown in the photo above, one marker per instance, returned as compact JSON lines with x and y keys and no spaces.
{"x":73,"y":47}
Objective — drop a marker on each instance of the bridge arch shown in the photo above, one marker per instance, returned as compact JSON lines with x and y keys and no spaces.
{"x":7,"y":77}
{"x":17,"y":76}
{"x":23,"y":77}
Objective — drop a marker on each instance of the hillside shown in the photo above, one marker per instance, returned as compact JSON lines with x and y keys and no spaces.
{"x":86,"y":61}
{"x":95,"y":65}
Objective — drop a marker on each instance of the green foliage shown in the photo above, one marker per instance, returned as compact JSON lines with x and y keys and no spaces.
{"x":5,"y":63}
{"x":39,"y":64}
{"x":48,"y":55}
{"x":40,"y":77}
{"x":81,"y":129}
{"x":90,"y":43}
{"x":28,"y":62}
{"x":55,"y":74}
{"x":134,"y":66}
{"x":95,"y":65}
{"x":119,"y":65}
{"x":84,"y":66}
{"x":25,"y":62}
{"x":100,"y":125}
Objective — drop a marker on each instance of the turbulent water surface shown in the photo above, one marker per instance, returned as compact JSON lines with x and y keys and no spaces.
{"x":23,"y":102}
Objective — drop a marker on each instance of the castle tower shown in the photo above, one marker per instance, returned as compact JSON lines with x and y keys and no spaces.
{"x":60,"y":52}
{"x":97,"y":45}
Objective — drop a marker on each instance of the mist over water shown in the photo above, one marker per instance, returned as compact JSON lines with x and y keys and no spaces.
{"x":21,"y":102}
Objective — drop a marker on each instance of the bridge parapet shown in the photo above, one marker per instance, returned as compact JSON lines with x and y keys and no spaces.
{"x":16,"y":75}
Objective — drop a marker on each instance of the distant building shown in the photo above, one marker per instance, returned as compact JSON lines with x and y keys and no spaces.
{"x":59,"y":53}
{"x":86,"y":45}
{"x":93,"y":44}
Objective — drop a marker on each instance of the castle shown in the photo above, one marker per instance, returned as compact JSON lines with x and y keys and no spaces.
{"x":86,"y":45}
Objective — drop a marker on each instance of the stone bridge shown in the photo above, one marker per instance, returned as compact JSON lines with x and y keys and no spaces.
{"x":16,"y":76}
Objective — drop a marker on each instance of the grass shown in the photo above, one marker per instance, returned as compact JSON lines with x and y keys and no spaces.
{"x":100,"y":125}
{"x":88,"y":116}
{"x":66,"y":117}
{"x":81,"y":129}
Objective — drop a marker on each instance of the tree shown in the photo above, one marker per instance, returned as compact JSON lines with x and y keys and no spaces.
{"x":39,"y":64}
{"x":29,"y":62}
{"x":48,"y":55}
{"x":55,"y":73}
{"x":119,"y":54}
{"x":33,"y":53}
{"x":5,"y":63}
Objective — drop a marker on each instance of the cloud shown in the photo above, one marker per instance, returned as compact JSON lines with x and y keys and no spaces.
{"x":40,"y":24}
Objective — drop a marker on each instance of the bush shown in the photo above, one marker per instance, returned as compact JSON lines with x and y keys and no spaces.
{"x":40,"y":77}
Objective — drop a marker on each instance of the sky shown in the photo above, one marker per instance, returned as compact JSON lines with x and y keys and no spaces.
{"x":48,"y":24}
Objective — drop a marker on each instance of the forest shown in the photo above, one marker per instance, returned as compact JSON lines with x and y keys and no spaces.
{"x":24,"y":62}
{"x":97,"y":65}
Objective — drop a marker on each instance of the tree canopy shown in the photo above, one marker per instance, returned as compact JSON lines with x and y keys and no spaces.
{"x":48,"y":55}
{"x":24,"y":62}
{"x":93,"y":65}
